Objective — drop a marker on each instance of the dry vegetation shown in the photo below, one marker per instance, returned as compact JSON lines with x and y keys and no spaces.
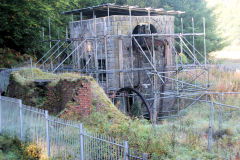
{"x":225,"y":81}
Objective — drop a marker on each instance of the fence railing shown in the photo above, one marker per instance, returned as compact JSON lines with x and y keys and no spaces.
{"x":58,"y":138}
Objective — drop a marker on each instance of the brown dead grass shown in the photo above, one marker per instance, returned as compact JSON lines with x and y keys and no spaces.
{"x":224,"y":81}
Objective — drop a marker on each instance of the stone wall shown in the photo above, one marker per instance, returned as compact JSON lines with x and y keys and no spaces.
{"x":99,"y":27}
{"x":163,"y":24}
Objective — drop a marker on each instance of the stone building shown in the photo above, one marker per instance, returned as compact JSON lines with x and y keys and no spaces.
{"x":125,"y":47}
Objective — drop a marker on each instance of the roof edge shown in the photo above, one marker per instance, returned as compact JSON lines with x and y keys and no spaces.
{"x":123,"y":9}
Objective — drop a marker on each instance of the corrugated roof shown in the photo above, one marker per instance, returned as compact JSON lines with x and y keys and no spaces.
{"x":102,"y":10}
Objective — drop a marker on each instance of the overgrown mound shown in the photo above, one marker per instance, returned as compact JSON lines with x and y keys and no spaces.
{"x":105,"y":118}
{"x":55,"y":92}
{"x":101,"y":105}
{"x":44,"y":90}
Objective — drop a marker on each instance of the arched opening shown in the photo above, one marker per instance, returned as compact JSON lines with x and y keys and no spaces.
{"x":144,"y":29}
{"x":142,"y":40}
{"x":133,"y":103}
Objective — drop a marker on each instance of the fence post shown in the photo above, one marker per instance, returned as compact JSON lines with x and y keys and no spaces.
{"x":126,"y":150}
{"x":0,"y":114}
{"x":145,"y":156}
{"x":81,"y":141}
{"x":220,"y":112}
{"x":21,"y":118}
{"x":32,"y":67}
{"x":47,"y":134}
{"x":210,"y":128}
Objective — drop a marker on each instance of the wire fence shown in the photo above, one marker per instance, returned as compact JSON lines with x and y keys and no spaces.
{"x":224,"y":126}
{"x":58,"y":138}
{"x":216,"y":125}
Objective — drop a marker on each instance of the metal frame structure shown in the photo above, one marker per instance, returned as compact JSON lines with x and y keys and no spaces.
{"x":184,"y":78}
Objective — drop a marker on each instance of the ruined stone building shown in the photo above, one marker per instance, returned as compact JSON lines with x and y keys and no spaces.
{"x":130,"y":51}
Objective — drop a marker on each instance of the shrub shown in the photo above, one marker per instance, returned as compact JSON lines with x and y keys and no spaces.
{"x":14,"y":149}
{"x":32,"y":152}
{"x":11,"y":148}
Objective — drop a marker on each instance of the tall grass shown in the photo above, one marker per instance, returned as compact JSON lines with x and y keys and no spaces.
{"x":185,"y":137}
{"x":224,"y":81}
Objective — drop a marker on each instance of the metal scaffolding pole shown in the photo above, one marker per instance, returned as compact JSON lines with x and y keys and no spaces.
{"x":49,"y":32}
{"x":131,"y":44}
{"x":204,"y":42}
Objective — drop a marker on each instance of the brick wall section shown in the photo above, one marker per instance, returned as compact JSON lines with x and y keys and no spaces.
{"x":83,"y":100}
{"x":81,"y":96}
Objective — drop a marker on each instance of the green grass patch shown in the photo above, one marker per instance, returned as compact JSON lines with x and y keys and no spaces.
{"x":185,"y":137}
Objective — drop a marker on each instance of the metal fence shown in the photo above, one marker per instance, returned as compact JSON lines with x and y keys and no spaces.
{"x":224,"y":107}
{"x":4,"y":78}
{"x":58,"y":138}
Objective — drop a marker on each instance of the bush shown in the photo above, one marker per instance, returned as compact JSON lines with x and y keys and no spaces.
{"x":32,"y":152}
{"x":10,"y":148}
{"x":11,"y":58}
{"x":14,"y":149}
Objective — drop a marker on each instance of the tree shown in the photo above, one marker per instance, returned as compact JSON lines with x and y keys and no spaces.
{"x":121,"y":2}
{"x":21,"y":23}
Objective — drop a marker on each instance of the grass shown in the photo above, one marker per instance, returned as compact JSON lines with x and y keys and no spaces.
{"x":227,"y":61}
{"x":224,"y":81}
{"x":14,"y":149}
{"x":185,"y":137}
{"x":182,"y":138}
{"x":10,"y":148}
{"x":25,"y":75}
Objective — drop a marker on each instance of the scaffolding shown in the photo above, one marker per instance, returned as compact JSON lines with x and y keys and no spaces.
{"x":163,"y":84}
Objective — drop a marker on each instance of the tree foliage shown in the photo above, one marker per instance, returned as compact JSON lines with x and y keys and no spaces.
{"x":228,"y":19}
{"x":22,"y":21}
